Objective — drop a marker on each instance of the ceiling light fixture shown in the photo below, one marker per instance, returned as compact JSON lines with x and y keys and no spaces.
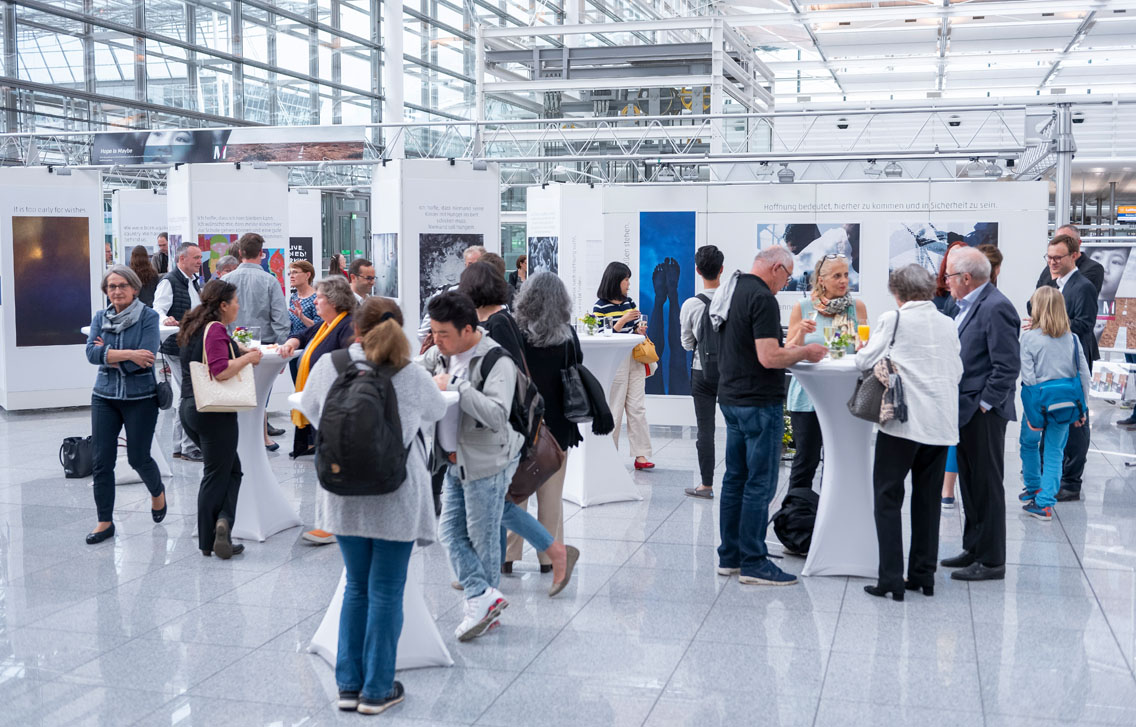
{"x":893,"y":170}
{"x":873,"y":170}
{"x":974,"y":168}
{"x":993,"y":171}
{"x":786,"y":175}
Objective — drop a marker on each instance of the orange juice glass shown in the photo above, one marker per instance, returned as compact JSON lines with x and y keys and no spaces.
{"x":864,"y":331}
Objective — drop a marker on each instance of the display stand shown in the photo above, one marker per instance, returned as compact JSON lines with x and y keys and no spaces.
{"x":598,"y":474}
{"x":262,"y":509}
{"x":844,"y":535}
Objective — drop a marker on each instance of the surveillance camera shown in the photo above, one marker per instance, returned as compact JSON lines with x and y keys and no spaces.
{"x":1078,"y":117}
{"x":842,"y":123}
{"x":954,"y":120}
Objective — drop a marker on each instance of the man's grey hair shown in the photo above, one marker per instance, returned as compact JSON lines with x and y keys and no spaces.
{"x":973,"y":261}
{"x":912,"y":282}
{"x":543,"y":310}
{"x":1069,"y":230}
{"x":184,"y":247}
{"x":127,"y":274}
{"x":226,"y":264}
{"x":473,"y":251}
{"x":774,"y":255}
{"x":338,"y":292}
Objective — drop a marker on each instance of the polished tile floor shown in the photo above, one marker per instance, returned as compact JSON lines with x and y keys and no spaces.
{"x":143,"y":630}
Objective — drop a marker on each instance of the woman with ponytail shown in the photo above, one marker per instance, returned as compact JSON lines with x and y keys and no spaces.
{"x":214,"y":433}
{"x":376,"y":533}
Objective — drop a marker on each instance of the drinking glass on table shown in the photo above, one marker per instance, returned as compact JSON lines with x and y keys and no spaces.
{"x":829,"y":333}
{"x":864,"y":332}
{"x":254,"y":337}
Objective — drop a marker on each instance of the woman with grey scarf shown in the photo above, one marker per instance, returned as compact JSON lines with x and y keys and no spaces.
{"x":829,"y":305}
{"x":122,"y":343}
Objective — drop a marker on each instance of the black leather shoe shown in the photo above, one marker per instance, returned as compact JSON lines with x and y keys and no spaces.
{"x":160,"y":515}
{"x":979,"y":572}
{"x":222,"y":540}
{"x":96,"y":538}
{"x":546,"y":568}
{"x":1064,"y":495}
{"x":927,"y":590}
{"x":274,"y":431}
{"x":896,"y":593}
{"x":962,"y":560}
{"x":238,"y":548}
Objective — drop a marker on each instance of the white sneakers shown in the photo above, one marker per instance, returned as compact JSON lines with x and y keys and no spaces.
{"x":481,"y":614}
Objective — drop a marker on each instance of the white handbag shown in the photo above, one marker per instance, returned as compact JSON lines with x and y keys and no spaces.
{"x":212,"y":395}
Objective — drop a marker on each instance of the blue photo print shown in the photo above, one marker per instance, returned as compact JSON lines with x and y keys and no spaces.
{"x":666,"y":279}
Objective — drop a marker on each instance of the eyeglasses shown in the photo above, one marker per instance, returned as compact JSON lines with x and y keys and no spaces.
{"x":836,"y":256}
{"x":118,"y":286}
{"x":951,"y":275}
{"x":368,"y":278}
{"x":1056,"y":258}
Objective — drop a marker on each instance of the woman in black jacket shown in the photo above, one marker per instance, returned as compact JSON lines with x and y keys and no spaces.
{"x":543,"y":311}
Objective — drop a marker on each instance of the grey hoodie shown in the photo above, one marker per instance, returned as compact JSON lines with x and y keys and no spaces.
{"x":487,"y":443}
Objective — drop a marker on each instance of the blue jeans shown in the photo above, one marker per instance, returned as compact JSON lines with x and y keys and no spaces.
{"x":371,"y":621}
{"x":525,"y":525}
{"x":753,"y":454}
{"x":1038,"y":475}
{"x":470,"y":527}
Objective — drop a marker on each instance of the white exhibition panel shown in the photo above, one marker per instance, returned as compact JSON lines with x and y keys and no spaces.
{"x":436,"y":208}
{"x":305,"y":219}
{"x":65,"y":209}
{"x":728,"y":215}
{"x":222,"y":199}
{"x":572,"y":215}
{"x":138,"y":216}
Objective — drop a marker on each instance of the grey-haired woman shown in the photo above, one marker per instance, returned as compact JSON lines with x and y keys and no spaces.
{"x":122,"y":343}
{"x":543,"y":310}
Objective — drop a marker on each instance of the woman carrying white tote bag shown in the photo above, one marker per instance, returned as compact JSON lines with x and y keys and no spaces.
{"x":216,"y":383}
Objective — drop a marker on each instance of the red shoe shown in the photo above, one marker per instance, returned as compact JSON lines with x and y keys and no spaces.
{"x":644,"y":465}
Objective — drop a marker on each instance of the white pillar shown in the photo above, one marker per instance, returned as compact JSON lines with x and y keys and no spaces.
{"x":392,"y":79}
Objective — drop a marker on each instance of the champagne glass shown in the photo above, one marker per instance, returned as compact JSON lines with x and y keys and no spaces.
{"x":828,"y":335}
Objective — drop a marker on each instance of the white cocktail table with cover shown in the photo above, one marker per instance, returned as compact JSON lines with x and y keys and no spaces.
{"x":420,"y":645}
{"x":844,"y":535}
{"x":262,"y":508}
{"x":597,"y":472}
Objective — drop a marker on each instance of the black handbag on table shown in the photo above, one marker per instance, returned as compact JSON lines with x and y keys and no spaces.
{"x":577,"y":407}
{"x":77,"y":455}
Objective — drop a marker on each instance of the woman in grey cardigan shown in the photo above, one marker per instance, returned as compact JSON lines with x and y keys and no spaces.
{"x":376,"y":533}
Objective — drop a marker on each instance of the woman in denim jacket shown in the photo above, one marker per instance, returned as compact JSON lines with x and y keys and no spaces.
{"x":122,"y":343}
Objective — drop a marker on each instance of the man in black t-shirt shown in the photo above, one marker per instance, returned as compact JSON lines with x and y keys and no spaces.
{"x":751,"y":390}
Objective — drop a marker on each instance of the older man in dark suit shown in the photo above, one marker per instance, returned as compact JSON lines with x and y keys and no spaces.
{"x":988,"y":333}
{"x":1081,"y":304}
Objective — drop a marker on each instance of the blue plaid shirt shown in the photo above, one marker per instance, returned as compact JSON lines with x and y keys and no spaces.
{"x":308,"y":306}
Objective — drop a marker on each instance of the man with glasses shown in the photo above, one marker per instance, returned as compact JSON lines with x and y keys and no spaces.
{"x":1081,"y":304}
{"x":988,"y":336}
{"x":1090,"y":268}
{"x":751,"y":390}
{"x":362,"y":277}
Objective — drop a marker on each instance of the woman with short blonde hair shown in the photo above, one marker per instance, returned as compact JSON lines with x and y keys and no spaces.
{"x":1049,"y":351}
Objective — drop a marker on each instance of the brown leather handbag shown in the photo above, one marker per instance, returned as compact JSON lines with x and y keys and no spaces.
{"x":538,"y":465}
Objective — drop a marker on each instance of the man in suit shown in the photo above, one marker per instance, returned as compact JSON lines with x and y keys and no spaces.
{"x":988,"y":333}
{"x":1081,"y":305}
{"x":1090,"y":268}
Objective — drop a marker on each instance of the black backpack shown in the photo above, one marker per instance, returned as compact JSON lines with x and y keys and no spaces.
{"x":359,"y":441}
{"x":707,"y":347}
{"x":528,"y":405}
{"x":793,"y":523}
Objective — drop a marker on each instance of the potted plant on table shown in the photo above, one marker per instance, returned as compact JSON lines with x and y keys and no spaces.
{"x":839,"y":344}
{"x":590,"y":322}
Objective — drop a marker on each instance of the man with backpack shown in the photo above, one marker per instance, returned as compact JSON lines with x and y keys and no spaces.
{"x":481,"y":448}
{"x":699,"y":336}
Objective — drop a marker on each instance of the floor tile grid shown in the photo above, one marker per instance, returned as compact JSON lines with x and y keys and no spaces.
{"x":521,"y":672}
{"x":1093,"y":589}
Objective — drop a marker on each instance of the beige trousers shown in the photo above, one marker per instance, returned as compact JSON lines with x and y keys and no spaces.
{"x":628,"y":392}
{"x":549,"y":512}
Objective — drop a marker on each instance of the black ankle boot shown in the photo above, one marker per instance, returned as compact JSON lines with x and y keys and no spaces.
{"x":896,"y":593}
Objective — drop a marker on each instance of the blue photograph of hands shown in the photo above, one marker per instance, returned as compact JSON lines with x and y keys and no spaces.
{"x":666,"y":279}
